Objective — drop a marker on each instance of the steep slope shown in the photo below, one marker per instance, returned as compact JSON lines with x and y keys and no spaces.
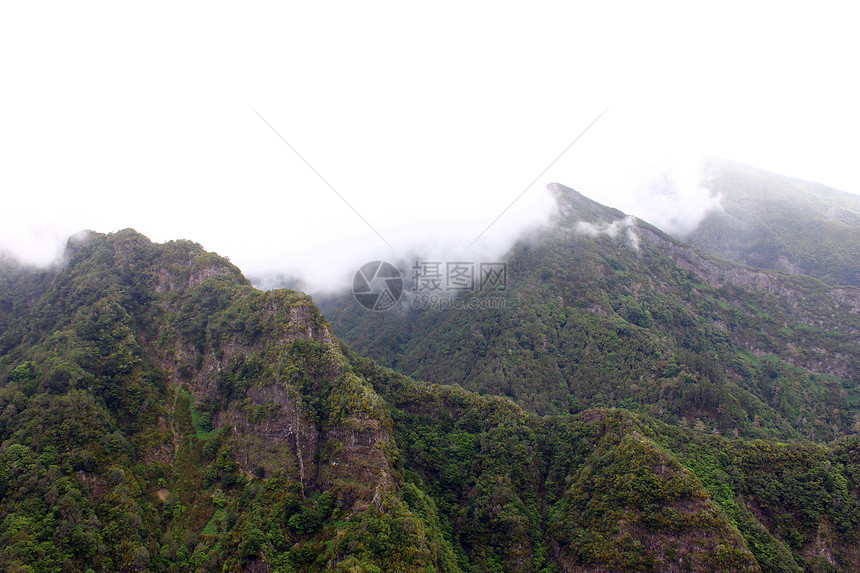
{"x":612,"y":491}
{"x":602,"y":310}
{"x":775,"y":222}
{"x":159,"y":414}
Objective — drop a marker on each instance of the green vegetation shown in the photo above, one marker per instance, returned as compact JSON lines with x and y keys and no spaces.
{"x":593,"y":322}
{"x":157,"y":413}
{"x":775,"y":222}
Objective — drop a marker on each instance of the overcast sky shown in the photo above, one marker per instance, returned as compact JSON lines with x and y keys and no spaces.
{"x":429,"y":121}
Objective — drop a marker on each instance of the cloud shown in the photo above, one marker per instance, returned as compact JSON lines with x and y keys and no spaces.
{"x":676,"y":200}
{"x":429,"y":141}
{"x":665,"y":188}
{"x":34,"y":242}
{"x":627,"y":226}
{"x":476,"y":229}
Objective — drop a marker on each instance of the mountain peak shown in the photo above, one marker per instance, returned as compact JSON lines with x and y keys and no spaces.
{"x":170,"y":412}
{"x":573,"y":207}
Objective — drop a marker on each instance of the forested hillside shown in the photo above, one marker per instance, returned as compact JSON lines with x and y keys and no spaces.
{"x":157,"y":413}
{"x":775,"y":222}
{"x":603,"y":310}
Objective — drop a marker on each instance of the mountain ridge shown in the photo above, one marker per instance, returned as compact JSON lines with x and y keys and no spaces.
{"x":581,"y":282}
{"x":157,"y":413}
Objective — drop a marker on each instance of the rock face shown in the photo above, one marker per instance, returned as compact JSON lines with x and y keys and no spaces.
{"x":835,"y":308}
{"x":159,"y":413}
{"x":349,"y":452}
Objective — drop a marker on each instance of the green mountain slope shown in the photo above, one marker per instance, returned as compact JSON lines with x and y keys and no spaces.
{"x":157,"y":413}
{"x":160,"y":414}
{"x":775,"y":222}
{"x":606,"y":311}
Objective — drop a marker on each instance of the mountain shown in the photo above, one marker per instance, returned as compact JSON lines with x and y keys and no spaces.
{"x":158,"y":413}
{"x":603,"y":310}
{"x":775,"y":222}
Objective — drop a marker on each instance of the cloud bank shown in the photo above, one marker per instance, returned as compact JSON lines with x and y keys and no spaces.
{"x":627,"y":226}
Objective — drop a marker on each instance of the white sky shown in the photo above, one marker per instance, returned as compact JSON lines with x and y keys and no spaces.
{"x":428,"y":120}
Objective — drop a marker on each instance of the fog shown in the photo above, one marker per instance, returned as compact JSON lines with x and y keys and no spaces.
{"x":304,"y":140}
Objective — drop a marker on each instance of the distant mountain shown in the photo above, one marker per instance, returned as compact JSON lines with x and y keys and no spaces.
{"x":157,"y":413}
{"x":775,"y":222}
{"x":603,"y":310}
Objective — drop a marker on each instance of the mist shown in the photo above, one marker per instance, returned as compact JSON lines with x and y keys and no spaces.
{"x":425,"y":141}
{"x":627,"y":226}
{"x":468,"y":234}
{"x":318,"y":245}
{"x":674,"y":199}
{"x":33,"y":243}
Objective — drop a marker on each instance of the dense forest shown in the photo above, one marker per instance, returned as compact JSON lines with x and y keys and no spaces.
{"x":158,"y":413}
{"x":615,"y":313}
